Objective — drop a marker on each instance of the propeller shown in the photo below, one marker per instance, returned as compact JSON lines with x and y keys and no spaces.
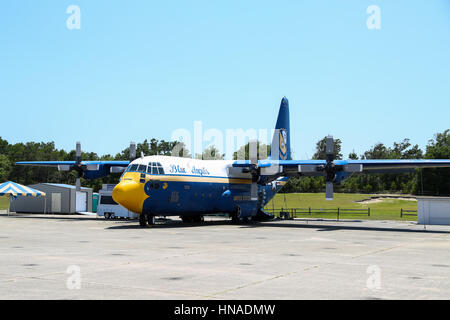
{"x":330,"y":169}
{"x":77,"y":166}
{"x":81,"y":168}
{"x":254,"y":169}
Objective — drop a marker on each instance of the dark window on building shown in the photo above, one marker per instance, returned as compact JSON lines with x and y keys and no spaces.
{"x":107,"y":200}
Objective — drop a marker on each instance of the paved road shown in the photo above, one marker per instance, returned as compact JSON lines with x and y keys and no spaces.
{"x":42,"y":256}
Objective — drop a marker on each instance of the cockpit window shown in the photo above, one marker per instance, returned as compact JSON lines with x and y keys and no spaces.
{"x":142,"y":168}
{"x":155,"y":168}
{"x":132,"y":167}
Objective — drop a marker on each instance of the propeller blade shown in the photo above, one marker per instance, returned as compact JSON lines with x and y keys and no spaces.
{"x":253,"y":151}
{"x":330,"y":146}
{"x":253,"y":155}
{"x":254,"y":191}
{"x":132,"y":151}
{"x":78,"y":153}
{"x":329,"y":191}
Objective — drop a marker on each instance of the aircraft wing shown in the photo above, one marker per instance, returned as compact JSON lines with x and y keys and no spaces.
{"x":271,"y":169}
{"x":90,"y":169}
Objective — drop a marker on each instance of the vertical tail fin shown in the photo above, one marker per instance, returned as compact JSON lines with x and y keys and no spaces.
{"x":280,"y":147}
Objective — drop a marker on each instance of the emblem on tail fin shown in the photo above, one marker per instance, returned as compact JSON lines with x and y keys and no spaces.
{"x":283,"y":144}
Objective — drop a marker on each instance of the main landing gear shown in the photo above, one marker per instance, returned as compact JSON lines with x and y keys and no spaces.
{"x":192,"y":219}
{"x":146,"y":220}
{"x":237,"y":219}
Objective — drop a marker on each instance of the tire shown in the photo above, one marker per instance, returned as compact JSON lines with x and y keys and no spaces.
{"x":143,"y":220}
{"x":246,"y":220}
{"x":234,"y":218}
{"x":197,"y":219}
{"x":150,"y":220}
{"x":186,"y":219}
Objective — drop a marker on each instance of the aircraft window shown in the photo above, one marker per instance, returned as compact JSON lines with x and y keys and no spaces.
{"x":133,"y":167}
{"x":160,"y":170}
{"x":142,"y":168}
{"x":154,"y":170}
{"x":149,"y":169}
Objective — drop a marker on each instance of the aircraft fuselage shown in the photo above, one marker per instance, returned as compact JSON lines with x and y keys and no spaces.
{"x":162,"y":185}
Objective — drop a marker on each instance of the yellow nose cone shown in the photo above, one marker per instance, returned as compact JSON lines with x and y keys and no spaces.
{"x":130,"y":195}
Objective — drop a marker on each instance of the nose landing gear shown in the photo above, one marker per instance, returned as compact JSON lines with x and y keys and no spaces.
{"x":146,"y":220}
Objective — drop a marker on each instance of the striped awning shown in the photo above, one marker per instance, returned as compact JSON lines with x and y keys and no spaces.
{"x":15,"y":189}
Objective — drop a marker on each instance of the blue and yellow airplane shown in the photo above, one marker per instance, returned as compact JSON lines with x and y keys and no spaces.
{"x":190,"y":188}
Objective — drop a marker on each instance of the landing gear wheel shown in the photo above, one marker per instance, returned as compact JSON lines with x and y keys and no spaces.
{"x":186,"y":219}
{"x":150,"y":219}
{"x":143,"y":220}
{"x":146,"y":220}
{"x":234,"y":218}
{"x":197,"y":219}
{"x":246,"y":220}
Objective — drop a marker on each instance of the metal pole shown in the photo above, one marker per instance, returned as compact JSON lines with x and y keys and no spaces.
{"x":9,"y":198}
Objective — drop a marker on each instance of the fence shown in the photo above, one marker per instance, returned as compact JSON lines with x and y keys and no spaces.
{"x":408,"y":213}
{"x":292,"y":213}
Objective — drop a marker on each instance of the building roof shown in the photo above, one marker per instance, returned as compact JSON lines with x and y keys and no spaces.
{"x":67,"y":186}
{"x":433,"y":198}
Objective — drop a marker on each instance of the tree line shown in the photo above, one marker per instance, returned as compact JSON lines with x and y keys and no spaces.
{"x":421,"y":181}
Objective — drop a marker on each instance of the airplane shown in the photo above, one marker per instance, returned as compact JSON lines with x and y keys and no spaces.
{"x":190,"y":188}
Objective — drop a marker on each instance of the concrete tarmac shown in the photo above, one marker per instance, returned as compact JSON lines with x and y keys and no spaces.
{"x":79,"y":257}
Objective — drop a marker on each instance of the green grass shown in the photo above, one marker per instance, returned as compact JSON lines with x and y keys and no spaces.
{"x":4,"y":203}
{"x":385,"y":210}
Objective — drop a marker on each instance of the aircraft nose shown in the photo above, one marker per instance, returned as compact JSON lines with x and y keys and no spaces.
{"x":129,"y":195}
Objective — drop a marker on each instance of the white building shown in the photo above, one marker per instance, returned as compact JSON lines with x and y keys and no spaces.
{"x":60,"y":198}
{"x":433,"y":210}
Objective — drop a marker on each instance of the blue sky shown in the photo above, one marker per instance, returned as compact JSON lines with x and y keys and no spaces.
{"x":141,"y":69}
